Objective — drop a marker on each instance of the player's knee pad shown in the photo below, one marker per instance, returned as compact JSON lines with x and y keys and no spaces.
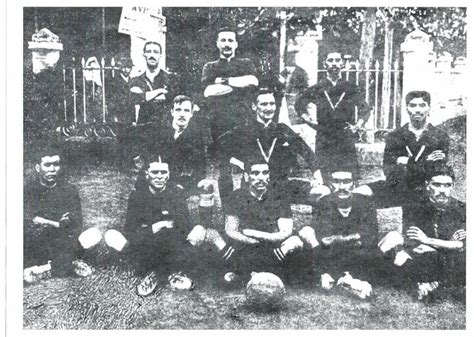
{"x":197,"y":235}
{"x":390,"y":241}
{"x":308,"y":236}
{"x":90,"y":237}
{"x":113,"y":238}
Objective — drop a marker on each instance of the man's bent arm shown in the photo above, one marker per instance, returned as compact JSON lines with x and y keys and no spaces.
{"x":243,"y":81}
{"x":232,"y":230}
{"x":285,"y":228}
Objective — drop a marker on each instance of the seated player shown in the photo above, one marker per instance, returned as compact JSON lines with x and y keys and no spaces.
{"x":276,"y":142}
{"x":157,"y":231}
{"x":53,"y":220}
{"x":407,"y":150}
{"x":345,"y":227}
{"x":431,"y":250}
{"x":258,"y":224}
{"x":181,"y":144}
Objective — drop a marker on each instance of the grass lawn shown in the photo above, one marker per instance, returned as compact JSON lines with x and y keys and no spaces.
{"x":107,"y":299}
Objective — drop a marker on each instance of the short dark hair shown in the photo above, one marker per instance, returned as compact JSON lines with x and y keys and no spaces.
{"x":263,"y":91}
{"x":438,"y":168}
{"x":425,"y":95}
{"x":154,"y":158}
{"x":226,"y":29}
{"x":254,"y":160}
{"x":45,"y":149}
{"x":152,"y":42}
{"x":180,"y":99}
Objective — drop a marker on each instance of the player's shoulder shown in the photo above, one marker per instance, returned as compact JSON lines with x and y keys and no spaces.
{"x":211,"y":64}
{"x":457,"y":205}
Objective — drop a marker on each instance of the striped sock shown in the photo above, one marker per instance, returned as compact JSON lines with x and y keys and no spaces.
{"x":279,"y":254}
{"x":227,"y":252}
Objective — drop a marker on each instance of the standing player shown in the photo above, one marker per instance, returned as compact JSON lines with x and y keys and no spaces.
{"x":431,"y":251}
{"x":228,"y":85}
{"x":336,"y":108}
{"x":53,"y":219}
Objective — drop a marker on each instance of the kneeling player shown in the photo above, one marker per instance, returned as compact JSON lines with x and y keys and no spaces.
{"x":431,"y":251}
{"x":53,"y":221}
{"x":258,"y":224}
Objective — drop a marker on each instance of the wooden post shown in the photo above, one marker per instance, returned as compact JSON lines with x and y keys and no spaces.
{"x":112,"y":63}
{"x":357,"y":65}
{"x":282,"y":16}
{"x":83,"y":62}
{"x":102,"y":68}
{"x":395,"y":93}
{"x":103,"y":31}
{"x":367,"y":81}
{"x":376,"y":94}
{"x":74,"y":88}
{"x":387,"y":75}
{"x":64,"y":93}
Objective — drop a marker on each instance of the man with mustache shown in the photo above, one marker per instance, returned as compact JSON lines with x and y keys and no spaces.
{"x":431,"y":251}
{"x":53,"y":219}
{"x":152,"y":90}
{"x":228,"y":85}
{"x":346,"y":230}
{"x":278,"y":144}
{"x":337,"y":110}
{"x":258,"y":225}
{"x":181,"y":143}
{"x":407,"y":149}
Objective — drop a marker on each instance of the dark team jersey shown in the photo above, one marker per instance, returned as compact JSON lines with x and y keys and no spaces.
{"x":336,"y":106}
{"x":153,"y":110}
{"x":362,"y":219}
{"x":258,"y":214}
{"x":278,"y":142}
{"x":435,"y":222}
{"x":402,"y":143}
{"x":186,"y":154}
{"x":52,"y":202}
{"x":145,"y":208}
{"x":233,"y":107}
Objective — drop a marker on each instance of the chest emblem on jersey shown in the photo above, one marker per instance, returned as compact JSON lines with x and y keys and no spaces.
{"x":165,"y":212}
{"x":334,"y":106}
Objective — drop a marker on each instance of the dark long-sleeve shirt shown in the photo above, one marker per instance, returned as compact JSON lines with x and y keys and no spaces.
{"x":396,"y":145}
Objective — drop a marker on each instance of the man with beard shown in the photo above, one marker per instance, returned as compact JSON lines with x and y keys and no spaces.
{"x":53,"y":220}
{"x":229,"y":83}
{"x":431,"y":251}
{"x":279,"y":145}
{"x":345,"y":225}
{"x":407,"y":150}
{"x":337,"y":110}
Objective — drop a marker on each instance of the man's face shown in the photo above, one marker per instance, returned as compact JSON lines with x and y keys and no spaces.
{"x":48,"y":169}
{"x":342,"y":184}
{"x":439,"y":189}
{"x":152,"y":55}
{"x":265,"y":107}
{"x":334,"y":63}
{"x":418,"y":110}
{"x":157,"y":175}
{"x":182,"y":113}
{"x":259,"y":176}
{"x":227,"y":44}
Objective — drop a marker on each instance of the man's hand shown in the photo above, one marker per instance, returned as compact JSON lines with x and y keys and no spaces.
{"x":221,"y":80}
{"x":402,"y":160}
{"x":353,"y":127}
{"x":37,"y":220}
{"x":65,"y":220}
{"x":459,"y":235}
{"x":416,"y":234}
{"x":421,"y":249}
{"x":436,"y":155}
{"x":157,"y":226}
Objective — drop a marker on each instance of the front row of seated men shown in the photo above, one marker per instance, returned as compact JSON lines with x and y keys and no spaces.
{"x":158,"y":237}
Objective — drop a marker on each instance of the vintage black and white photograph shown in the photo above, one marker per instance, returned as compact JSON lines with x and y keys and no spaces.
{"x":244,"y":168}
